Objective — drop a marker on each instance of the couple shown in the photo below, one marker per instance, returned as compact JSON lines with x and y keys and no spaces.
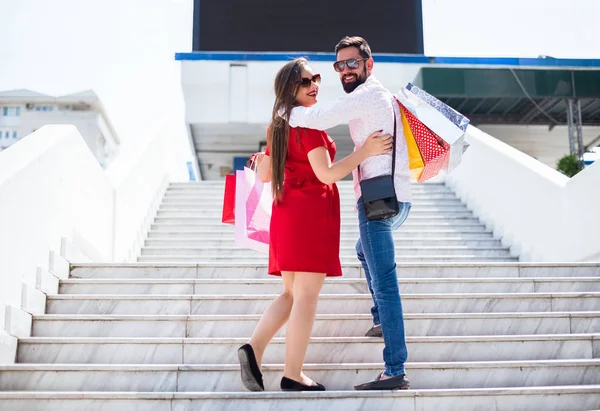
{"x":305,"y":222}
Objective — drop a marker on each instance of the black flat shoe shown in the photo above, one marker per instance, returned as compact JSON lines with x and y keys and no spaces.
{"x":395,"y":383}
{"x":251,"y":375}
{"x":291,"y":385}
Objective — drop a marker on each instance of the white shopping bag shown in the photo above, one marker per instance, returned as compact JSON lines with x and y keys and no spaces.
{"x":428,"y":115}
{"x":253,"y":205}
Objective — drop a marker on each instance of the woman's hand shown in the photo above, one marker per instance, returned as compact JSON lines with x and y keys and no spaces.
{"x":377,"y":144}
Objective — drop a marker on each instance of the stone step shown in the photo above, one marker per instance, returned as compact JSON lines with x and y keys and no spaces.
{"x":344,"y":191}
{"x":347,"y":228}
{"x":321,"y":350}
{"x":215,"y":198}
{"x":346,"y":188}
{"x":347,"y":183}
{"x":441,"y":258}
{"x":340,"y":325}
{"x":348,"y":235}
{"x":405,"y":270}
{"x":582,"y":397}
{"x":437,"y":218}
{"x":331,"y":286}
{"x":345,"y":252}
{"x":328,"y":303}
{"x":346,"y":242}
{"x":342,"y":185}
{"x":199,"y":205}
{"x":436,"y":181}
{"x":347,"y":203}
{"x":345,"y":195}
{"x":226,"y":378}
{"x":459,"y":213}
{"x":185,"y":270}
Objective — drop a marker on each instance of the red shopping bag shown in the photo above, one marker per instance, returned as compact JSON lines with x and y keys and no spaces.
{"x":229,"y":200}
{"x":228,"y":216}
{"x":434,"y":150}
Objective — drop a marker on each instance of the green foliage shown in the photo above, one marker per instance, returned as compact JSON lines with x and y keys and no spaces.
{"x":568,"y":165}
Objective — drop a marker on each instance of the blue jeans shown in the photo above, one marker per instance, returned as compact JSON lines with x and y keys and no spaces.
{"x":375,"y":250}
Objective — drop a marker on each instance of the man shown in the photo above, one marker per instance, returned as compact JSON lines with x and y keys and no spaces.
{"x":368,"y":107}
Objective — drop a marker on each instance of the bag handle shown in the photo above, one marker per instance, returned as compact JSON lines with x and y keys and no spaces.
{"x":252,"y":164}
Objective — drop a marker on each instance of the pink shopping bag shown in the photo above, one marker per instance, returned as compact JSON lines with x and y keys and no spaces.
{"x":253,"y":205}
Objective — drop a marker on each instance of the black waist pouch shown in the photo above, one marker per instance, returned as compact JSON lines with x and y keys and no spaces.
{"x":379,"y":197}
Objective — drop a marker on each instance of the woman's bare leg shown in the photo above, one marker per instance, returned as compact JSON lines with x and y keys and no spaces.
{"x":306,"y":295}
{"x":273,"y":318}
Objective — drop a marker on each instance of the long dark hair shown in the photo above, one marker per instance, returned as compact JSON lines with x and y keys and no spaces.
{"x":278,"y":136}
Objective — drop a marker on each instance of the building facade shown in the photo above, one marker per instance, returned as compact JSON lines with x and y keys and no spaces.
{"x":24,"y":111}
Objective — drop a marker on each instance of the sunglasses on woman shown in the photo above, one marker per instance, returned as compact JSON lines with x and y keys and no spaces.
{"x":352,"y":64}
{"x":307,"y":81}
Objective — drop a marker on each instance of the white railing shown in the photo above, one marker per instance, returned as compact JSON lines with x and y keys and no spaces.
{"x":540,"y":213}
{"x":140,"y":175}
{"x":57,"y":204}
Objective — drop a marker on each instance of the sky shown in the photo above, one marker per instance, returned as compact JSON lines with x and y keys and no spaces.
{"x":124,"y":49}
{"x":512,"y":28}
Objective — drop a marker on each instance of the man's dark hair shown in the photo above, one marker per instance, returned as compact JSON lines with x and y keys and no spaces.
{"x":355,"y":41}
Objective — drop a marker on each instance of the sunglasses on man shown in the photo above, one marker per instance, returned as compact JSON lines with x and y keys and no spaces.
{"x":352,"y":64}
{"x":307,"y":81}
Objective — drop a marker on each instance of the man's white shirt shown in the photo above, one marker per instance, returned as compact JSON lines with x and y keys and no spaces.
{"x":369,"y":108}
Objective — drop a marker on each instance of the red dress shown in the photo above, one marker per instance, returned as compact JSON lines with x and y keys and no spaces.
{"x":305,"y":223}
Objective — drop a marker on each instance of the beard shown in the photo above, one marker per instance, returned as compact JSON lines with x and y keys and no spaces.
{"x":359,"y":79}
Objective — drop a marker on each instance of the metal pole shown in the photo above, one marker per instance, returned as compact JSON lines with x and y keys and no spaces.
{"x":571,"y":127}
{"x":574,"y":121}
{"x":580,"y":145}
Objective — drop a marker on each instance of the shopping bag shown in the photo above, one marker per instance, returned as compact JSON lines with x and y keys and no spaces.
{"x":459,"y":146}
{"x":430,"y":116}
{"x":415,"y":160}
{"x":456,"y":153}
{"x":253,"y":204}
{"x":228,"y":215}
{"x":454,"y":116}
{"x":434,"y":150}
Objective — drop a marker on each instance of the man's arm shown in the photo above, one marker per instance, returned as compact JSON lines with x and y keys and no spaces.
{"x":347,"y":108}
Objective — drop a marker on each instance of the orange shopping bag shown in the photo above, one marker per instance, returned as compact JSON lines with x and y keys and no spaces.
{"x":415,"y":159}
{"x":433,"y":149}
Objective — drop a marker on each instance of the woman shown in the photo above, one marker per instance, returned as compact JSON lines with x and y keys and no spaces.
{"x":305,"y":224}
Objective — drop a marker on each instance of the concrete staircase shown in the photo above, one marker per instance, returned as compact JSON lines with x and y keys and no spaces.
{"x":439,"y":228}
{"x":484,"y":331}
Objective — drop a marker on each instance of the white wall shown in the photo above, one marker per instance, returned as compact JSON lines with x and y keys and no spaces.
{"x":51,"y":186}
{"x":206,"y":87}
{"x":541,"y":214}
{"x":84,"y":121}
{"x":89,"y":123}
{"x":537,"y":141}
{"x":140,"y":176}
{"x":218,"y":131}
{"x":57,"y":204}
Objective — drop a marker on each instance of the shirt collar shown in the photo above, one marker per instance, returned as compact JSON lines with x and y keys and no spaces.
{"x":368,"y":82}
